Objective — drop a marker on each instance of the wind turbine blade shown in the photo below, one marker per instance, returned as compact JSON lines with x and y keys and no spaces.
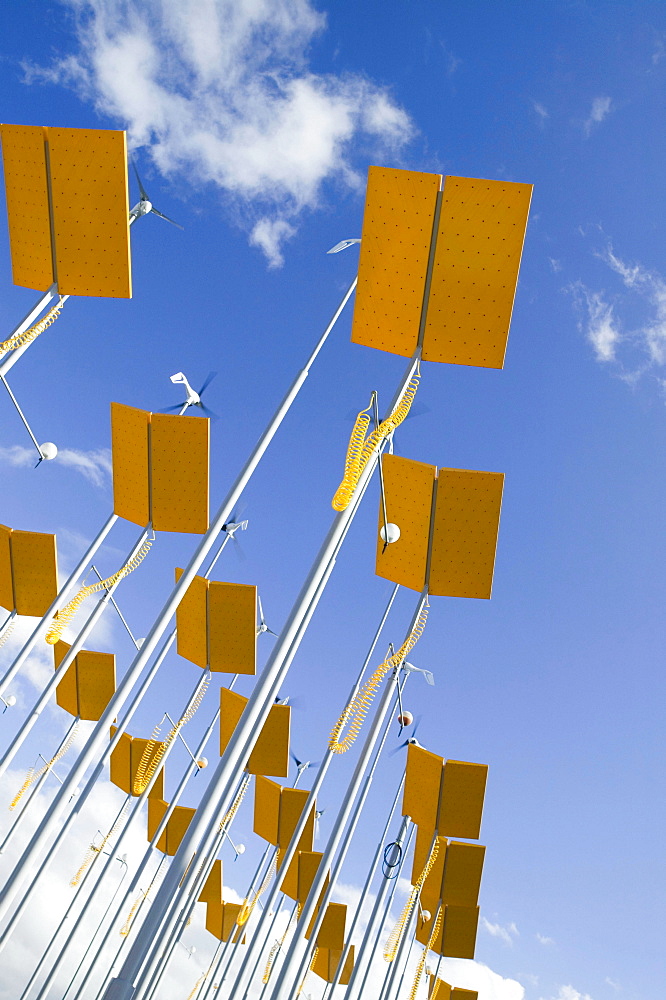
{"x":209,"y":379}
{"x":211,"y":414}
{"x":261,"y":611}
{"x":142,"y":190}
{"x":166,"y":218}
{"x":171,"y":409}
{"x":395,"y":750}
{"x":271,"y":632}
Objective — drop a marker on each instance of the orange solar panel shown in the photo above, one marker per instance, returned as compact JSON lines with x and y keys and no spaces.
{"x":95,"y":682}
{"x":119,"y":765}
{"x":129,"y":455}
{"x":214,"y":919}
{"x":480,"y":237}
{"x":267,"y":809}
{"x":26,"y":189}
{"x":461,"y":802}
{"x":292,"y":804}
{"x":438,"y":989}
{"x":232,"y":628}
{"x":34,"y":570}
{"x":156,"y":811}
{"x":408,"y":487}
{"x":177,"y":826}
{"x":179,"y":460}
{"x":424,"y":929}
{"x":192,"y":622}
{"x":331,"y":934}
{"x":466,"y":526}
{"x":212,"y":887}
{"x":462,"y":874}
{"x":308,"y":866}
{"x":66,"y":691}
{"x":89,"y":199}
{"x":432,"y":887}
{"x":395,"y":249}
{"x":422,"y":780}
{"x":271,"y":749}
{"x":460,"y":926}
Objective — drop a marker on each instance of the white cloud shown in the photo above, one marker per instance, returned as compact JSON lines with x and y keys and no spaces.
{"x":540,"y":110}
{"x":600,"y":325}
{"x":569,"y":993}
{"x":506,"y":934}
{"x":555,"y":265}
{"x":601,"y":108}
{"x":95,"y":465}
{"x":542,"y":939}
{"x":652,"y":289}
{"x":221,"y":92}
{"x":613,"y":983}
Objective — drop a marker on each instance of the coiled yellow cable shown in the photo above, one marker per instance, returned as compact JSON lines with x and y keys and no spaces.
{"x":155,"y":749}
{"x":249,"y":904}
{"x":357,"y":709}
{"x":197,"y":985}
{"x":20,"y":339}
{"x":7,"y":632}
{"x":424,"y":955}
{"x":94,"y":850}
{"x":127,"y":926}
{"x":228,"y":819}
{"x":312,"y":962}
{"x":33,"y":775}
{"x":391,"y":947}
{"x":66,"y":614}
{"x":271,"y":958}
{"x":360,"y":448}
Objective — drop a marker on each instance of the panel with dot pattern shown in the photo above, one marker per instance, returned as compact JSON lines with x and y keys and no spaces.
{"x":422,"y":780}
{"x":232,"y":628}
{"x":26,"y":189}
{"x":212,"y":888}
{"x":461,"y":800}
{"x":480,"y":239}
{"x":129,"y":458}
{"x":66,"y":691}
{"x":89,"y":197}
{"x":461,"y":881}
{"x":6,"y":585}
{"x":34,"y":571}
{"x":266,"y":809}
{"x":270,"y":754}
{"x":179,"y":461}
{"x":395,"y":247}
{"x":192,"y":622}
{"x":459,"y":931}
{"x":408,"y":487}
{"x":465,"y":532}
{"x":95,"y":682}
{"x":177,"y":826}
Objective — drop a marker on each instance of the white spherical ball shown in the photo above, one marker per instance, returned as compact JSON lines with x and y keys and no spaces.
{"x":389,"y":533}
{"x":48,"y":451}
{"x":202,"y":762}
{"x":425,"y":916}
{"x":10,"y":700}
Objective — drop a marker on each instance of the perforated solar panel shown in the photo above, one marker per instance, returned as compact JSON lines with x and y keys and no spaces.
{"x":179,"y":459}
{"x":479,"y":244}
{"x":267,"y":809}
{"x":191,"y":622}
{"x":460,"y":925}
{"x":457,"y":993}
{"x":331,"y":934}
{"x":35,"y":572}
{"x":229,"y":918}
{"x":461,"y":803}
{"x":177,"y":826}
{"x":232,"y":628}
{"x":96,"y":682}
{"x":462,"y":874}
{"x":129,"y":455}
{"x":214,"y":919}
{"x":26,"y":188}
{"x":6,"y":586}
{"x":465,"y":533}
{"x":408,"y":487}
{"x":308,"y":866}
{"x":120,"y":762}
{"x":347,"y":969}
{"x":292,"y":804}
{"x":271,"y":749}
{"x":422,"y":780}
{"x":395,"y":247}
{"x":156,"y":811}
{"x":438,"y":989}
{"x":212,"y":887}
{"x":289,"y":883}
{"x":66,"y":691}
{"x":89,"y":197}
{"x":320,"y":964}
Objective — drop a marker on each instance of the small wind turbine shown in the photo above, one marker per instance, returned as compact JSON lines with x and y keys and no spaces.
{"x":193,"y":397}
{"x":262,"y":626}
{"x":144,"y":206}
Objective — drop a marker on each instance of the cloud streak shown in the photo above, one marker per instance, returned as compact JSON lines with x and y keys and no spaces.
{"x":95,"y":465}
{"x":506,"y":934}
{"x":222,"y":93}
{"x":600,"y":110}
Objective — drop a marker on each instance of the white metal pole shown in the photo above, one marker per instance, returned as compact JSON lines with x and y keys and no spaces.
{"x":58,"y":675}
{"x":57,"y":603}
{"x":120,"y":842}
{"x":381,"y":847}
{"x":13,"y":356}
{"x":98,"y":737}
{"x":243,"y":975}
{"x":35,"y":789}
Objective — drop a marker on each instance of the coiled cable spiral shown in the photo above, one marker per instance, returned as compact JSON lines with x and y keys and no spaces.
{"x":228,"y":819}
{"x":21,"y":339}
{"x":7,"y":632}
{"x":198,"y":983}
{"x":391,"y":946}
{"x":357,"y":709}
{"x":66,"y":614}
{"x":157,"y":879}
{"x":312,"y":962}
{"x":33,"y":775}
{"x":360,"y":448}
{"x":155,"y":749}
{"x":424,"y":955}
{"x":94,"y":850}
{"x":248,"y":905}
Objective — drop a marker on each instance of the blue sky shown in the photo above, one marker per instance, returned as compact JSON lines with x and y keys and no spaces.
{"x":256,"y":135}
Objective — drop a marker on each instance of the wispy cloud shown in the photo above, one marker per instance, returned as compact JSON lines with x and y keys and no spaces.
{"x":95,"y":466}
{"x":451,"y":61}
{"x":652,"y":289}
{"x":569,"y":993}
{"x":601,"y":108}
{"x":599,"y":323}
{"x":542,"y":939}
{"x":541,"y":111}
{"x":504,"y":933}
{"x":222,"y":93}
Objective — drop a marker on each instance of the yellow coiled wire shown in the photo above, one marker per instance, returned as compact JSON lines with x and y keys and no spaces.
{"x":94,"y":850}
{"x":127,"y":926}
{"x":424,"y":954}
{"x":155,"y":749}
{"x":248,"y":906}
{"x":33,"y":775}
{"x":360,"y":448}
{"x":277,"y":945}
{"x":228,"y":819}
{"x":20,"y":339}
{"x":197,"y":985}
{"x":391,"y":947}
{"x":312,"y":962}
{"x":7,"y":632}
{"x":66,"y":614}
{"x":357,"y":709}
